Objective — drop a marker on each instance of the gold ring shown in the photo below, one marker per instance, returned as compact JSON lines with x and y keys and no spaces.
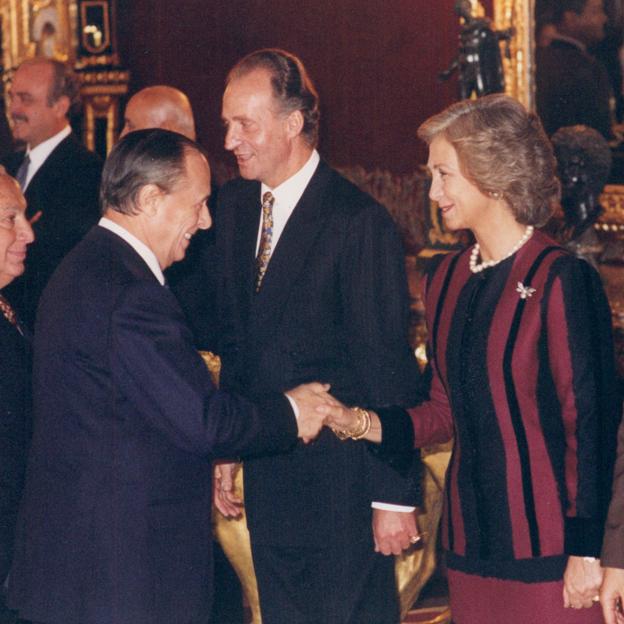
{"x":415,"y":539}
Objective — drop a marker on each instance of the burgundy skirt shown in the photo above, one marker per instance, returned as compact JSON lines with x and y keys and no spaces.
{"x":478,"y":600}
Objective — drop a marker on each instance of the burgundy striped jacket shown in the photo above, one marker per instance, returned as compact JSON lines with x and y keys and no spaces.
{"x":523,"y":377}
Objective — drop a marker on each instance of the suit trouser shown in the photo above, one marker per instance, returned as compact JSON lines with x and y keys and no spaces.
{"x":335,"y":585}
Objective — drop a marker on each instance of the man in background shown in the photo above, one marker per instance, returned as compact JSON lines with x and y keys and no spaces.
{"x":160,"y":106}
{"x":572,"y":86}
{"x":60,"y":178}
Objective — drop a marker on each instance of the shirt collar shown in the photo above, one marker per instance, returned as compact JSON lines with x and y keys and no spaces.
{"x":139,"y":246}
{"x":39,"y":154}
{"x":571,"y":40}
{"x":289,"y":192}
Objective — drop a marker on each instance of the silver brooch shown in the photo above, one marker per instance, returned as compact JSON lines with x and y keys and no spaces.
{"x":525,"y":291}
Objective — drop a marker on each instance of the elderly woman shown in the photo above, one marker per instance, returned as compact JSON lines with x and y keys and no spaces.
{"x":15,"y":235}
{"x":522,"y":376}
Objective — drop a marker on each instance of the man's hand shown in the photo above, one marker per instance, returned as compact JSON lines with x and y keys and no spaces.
{"x":308,"y":397}
{"x":612,"y":595}
{"x":394,"y":531}
{"x":225,"y":500}
{"x":581,"y":582}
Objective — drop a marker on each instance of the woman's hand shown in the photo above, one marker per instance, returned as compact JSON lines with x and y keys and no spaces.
{"x":581,"y":582}
{"x":612,"y":595}
{"x":339,"y":417}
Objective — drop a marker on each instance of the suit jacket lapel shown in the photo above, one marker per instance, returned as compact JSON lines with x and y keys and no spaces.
{"x":293,"y":248}
{"x":40,"y":181}
{"x":247,"y":219}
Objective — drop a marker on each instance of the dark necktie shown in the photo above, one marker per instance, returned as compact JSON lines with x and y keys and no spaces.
{"x":266,"y":237}
{"x":22,"y":172}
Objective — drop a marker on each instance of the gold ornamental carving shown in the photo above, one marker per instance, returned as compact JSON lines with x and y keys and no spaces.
{"x":37,"y":28}
{"x":519,"y":69}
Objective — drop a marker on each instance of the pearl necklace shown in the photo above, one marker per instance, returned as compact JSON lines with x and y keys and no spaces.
{"x":477,"y":268}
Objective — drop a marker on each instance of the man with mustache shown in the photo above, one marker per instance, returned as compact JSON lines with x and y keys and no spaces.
{"x":59,"y":176}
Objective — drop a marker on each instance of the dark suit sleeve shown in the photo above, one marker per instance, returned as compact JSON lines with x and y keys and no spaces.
{"x":375,"y":299}
{"x":160,"y":372}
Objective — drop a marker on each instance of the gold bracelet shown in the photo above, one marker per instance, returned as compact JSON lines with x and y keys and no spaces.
{"x":361,"y":428}
{"x":345,"y":434}
{"x":365,"y":424}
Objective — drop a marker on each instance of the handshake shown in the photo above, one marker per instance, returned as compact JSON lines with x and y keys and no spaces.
{"x":318,"y":408}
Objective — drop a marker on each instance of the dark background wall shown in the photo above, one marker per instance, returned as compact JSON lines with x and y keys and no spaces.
{"x":375,"y":63}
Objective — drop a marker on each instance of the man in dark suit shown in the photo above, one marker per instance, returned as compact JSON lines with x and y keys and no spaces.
{"x":162,"y":106}
{"x":572,"y":87}
{"x":15,"y":236}
{"x":313,"y":288}
{"x":114,"y":525}
{"x":59,"y":176}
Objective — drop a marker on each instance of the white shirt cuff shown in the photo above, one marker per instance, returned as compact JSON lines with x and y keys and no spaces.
{"x":294,"y":406}
{"x":391,"y":507}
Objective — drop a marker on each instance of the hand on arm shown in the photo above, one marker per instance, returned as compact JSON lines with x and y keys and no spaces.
{"x":581,"y":582}
{"x":223,"y":495}
{"x":309,"y":397}
{"x":612,"y":595}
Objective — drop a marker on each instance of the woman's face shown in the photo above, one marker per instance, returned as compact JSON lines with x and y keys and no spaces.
{"x":462,"y":205}
{"x":15,"y":231}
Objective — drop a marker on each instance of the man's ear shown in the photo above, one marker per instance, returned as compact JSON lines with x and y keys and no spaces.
{"x":294,"y":124}
{"x":148,"y":199}
{"x":61,"y":106}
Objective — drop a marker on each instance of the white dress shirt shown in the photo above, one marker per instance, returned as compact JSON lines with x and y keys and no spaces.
{"x":38,"y":155}
{"x":286,"y":195}
{"x":140,"y":247}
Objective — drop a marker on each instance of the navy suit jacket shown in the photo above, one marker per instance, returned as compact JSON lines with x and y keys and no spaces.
{"x":65,"y":191}
{"x":115,"y":520}
{"x":333,"y":307}
{"x":15,"y":422}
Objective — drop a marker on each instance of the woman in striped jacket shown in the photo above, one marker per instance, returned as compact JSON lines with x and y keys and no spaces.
{"x":522,"y":377}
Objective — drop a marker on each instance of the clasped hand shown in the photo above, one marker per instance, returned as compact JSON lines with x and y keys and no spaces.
{"x":310,"y":398}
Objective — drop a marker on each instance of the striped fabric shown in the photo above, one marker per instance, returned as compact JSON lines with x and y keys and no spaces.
{"x":523,"y":376}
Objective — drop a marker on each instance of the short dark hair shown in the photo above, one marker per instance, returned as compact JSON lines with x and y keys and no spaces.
{"x":292,"y":86}
{"x":152,"y":156}
{"x":64,"y":82}
{"x":563,"y":6}
{"x":502,"y":149}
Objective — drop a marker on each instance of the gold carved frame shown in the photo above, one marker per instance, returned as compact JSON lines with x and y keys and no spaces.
{"x":37,"y":27}
{"x":519,"y":69}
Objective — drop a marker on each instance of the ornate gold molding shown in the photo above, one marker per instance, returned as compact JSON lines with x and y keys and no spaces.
{"x":612,"y":219}
{"x":37,"y":28}
{"x":519,"y":70}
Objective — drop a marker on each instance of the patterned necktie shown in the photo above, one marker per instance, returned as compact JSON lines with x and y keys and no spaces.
{"x":22,"y":172}
{"x":264,"y":250}
{"x":8,"y":311}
